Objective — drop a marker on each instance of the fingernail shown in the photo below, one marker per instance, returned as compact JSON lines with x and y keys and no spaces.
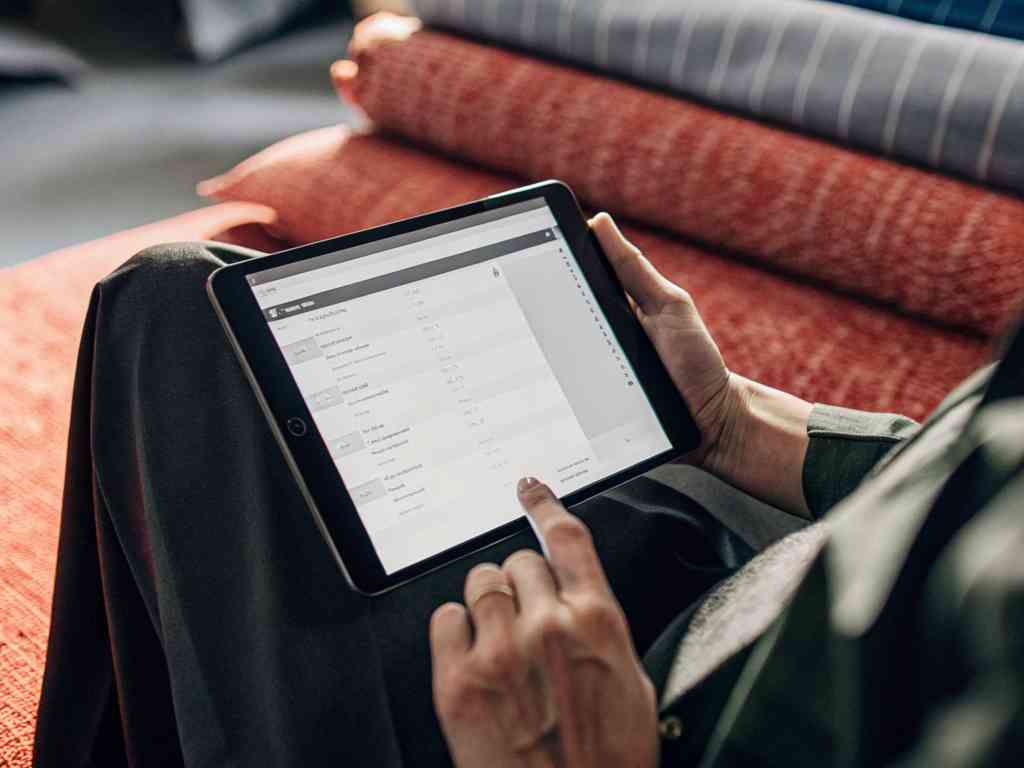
{"x":527,"y":483}
{"x":210,"y":187}
{"x":344,"y":69}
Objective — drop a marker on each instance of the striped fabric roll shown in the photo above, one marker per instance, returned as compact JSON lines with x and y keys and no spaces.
{"x":944,"y":98}
{"x":996,"y":17}
{"x":928,"y":244}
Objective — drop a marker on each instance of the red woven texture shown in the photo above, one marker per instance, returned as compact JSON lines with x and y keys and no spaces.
{"x":42,"y":305}
{"x":808,"y":340}
{"x":326,"y":182}
{"x":929,"y":244}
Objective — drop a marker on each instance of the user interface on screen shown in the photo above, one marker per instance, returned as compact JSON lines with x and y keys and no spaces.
{"x":442,"y":365}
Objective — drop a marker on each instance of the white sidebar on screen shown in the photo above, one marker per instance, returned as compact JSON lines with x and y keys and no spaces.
{"x":441,"y":371}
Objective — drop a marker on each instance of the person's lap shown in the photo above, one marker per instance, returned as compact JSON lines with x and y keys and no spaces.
{"x":217,"y":589}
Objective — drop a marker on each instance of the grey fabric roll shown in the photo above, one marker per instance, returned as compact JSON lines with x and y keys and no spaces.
{"x":944,"y":98}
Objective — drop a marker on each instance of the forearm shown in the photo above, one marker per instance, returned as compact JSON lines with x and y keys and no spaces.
{"x":763,"y":444}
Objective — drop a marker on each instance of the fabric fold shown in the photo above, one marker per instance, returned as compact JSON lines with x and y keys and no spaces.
{"x":919,"y":241}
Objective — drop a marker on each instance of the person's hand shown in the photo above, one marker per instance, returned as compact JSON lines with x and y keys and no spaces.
{"x":540,"y":669}
{"x":672,"y":322}
{"x":752,"y":436}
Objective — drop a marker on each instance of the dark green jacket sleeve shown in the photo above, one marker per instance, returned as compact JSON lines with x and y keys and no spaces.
{"x":844,"y":446}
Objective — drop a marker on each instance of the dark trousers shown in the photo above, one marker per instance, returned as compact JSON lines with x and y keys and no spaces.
{"x":198,"y":617}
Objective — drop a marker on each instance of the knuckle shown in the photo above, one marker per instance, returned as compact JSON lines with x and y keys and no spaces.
{"x":521,"y":555}
{"x":546,"y":627}
{"x":678,"y":297}
{"x":457,"y":696}
{"x":482,"y":569}
{"x":676,"y":304}
{"x":568,"y":531}
{"x":599,"y":617}
{"x":650,"y":693}
{"x":500,"y":663}
{"x":484,"y":574}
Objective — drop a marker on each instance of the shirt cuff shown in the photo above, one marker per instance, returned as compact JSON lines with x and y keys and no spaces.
{"x":844,"y":446}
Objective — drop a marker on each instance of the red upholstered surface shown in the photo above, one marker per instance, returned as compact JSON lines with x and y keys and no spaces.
{"x":42,"y":304}
{"x":809,"y":340}
{"x":932,"y":245}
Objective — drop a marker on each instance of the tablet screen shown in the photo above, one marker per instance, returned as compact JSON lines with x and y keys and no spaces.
{"x":442,"y":365}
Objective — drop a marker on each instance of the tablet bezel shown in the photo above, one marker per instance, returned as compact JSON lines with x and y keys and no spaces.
{"x":307,"y":454}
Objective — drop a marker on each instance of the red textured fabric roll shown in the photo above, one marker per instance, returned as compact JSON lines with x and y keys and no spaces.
{"x":931,"y":245}
{"x":801,"y":338}
{"x":330,"y":181}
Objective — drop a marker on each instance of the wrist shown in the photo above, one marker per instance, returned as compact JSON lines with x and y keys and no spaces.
{"x":723,"y":436}
{"x":760,"y":443}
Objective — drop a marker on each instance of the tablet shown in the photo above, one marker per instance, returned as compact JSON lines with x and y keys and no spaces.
{"x":412,"y":373}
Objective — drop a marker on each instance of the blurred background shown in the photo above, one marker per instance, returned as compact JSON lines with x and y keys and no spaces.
{"x":111,"y":110}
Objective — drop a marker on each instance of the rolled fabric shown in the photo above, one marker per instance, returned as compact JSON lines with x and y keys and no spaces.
{"x":330,"y":181}
{"x":930,"y":245}
{"x":944,"y":98}
{"x":996,"y":17}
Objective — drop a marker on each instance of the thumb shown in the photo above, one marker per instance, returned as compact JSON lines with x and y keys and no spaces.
{"x":648,"y":287}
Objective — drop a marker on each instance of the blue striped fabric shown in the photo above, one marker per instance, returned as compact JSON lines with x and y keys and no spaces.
{"x":997,"y":17}
{"x":944,"y":98}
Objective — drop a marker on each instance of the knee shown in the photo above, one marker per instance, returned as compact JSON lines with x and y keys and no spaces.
{"x":170,"y":256}
{"x":170,"y":266}
{"x":162,"y":287}
{"x":173,"y":273}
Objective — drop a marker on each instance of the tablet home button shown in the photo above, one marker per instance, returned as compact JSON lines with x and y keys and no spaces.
{"x":296,"y":426}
